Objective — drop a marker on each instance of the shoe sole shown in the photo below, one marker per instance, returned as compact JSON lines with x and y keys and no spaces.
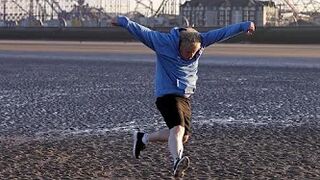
{"x":183,"y":165}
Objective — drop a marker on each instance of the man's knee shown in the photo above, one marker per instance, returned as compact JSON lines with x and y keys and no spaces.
{"x":178,"y":130}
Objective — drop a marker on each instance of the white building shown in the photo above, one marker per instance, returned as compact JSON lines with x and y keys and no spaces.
{"x":225,"y":12}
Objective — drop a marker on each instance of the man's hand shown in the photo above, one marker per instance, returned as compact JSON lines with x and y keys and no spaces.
{"x":114,"y":21}
{"x":251,"y":29}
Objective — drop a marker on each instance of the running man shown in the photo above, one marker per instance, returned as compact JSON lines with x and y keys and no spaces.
{"x":177,"y":55}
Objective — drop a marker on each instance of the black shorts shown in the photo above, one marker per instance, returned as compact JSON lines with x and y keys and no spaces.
{"x":176,"y":110}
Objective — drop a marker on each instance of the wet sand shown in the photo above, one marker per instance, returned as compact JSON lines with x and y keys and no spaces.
{"x":68,"y":119}
{"x":261,"y":50}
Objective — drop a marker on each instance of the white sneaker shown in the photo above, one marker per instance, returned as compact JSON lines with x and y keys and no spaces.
{"x":180,"y":166}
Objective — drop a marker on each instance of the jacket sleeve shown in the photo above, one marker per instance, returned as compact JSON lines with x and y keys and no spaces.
{"x":222,"y":34}
{"x":150,"y":38}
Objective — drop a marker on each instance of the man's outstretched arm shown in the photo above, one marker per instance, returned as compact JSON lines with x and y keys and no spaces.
{"x":227,"y":32}
{"x":149,"y":37}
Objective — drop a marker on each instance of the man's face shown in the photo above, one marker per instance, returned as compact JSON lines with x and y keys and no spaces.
{"x":188,"y":52}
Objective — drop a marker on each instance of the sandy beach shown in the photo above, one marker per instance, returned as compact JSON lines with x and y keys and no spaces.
{"x":261,"y":50}
{"x":63,"y":118}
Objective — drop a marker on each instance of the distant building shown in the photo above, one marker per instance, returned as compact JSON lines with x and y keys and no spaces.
{"x":51,"y":13}
{"x":15,"y":10}
{"x":225,"y":12}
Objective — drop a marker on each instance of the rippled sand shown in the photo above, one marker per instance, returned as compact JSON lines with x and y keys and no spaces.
{"x":73,"y":119}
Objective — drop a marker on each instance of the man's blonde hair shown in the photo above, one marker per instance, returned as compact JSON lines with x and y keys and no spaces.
{"x":189,"y":37}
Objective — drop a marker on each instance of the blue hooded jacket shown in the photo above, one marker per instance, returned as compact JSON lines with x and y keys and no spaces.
{"x":175,"y":75}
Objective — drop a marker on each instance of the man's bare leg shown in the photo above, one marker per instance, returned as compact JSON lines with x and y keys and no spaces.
{"x":159,"y":136}
{"x":175,"y":138}
{"x":175,"y":141}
